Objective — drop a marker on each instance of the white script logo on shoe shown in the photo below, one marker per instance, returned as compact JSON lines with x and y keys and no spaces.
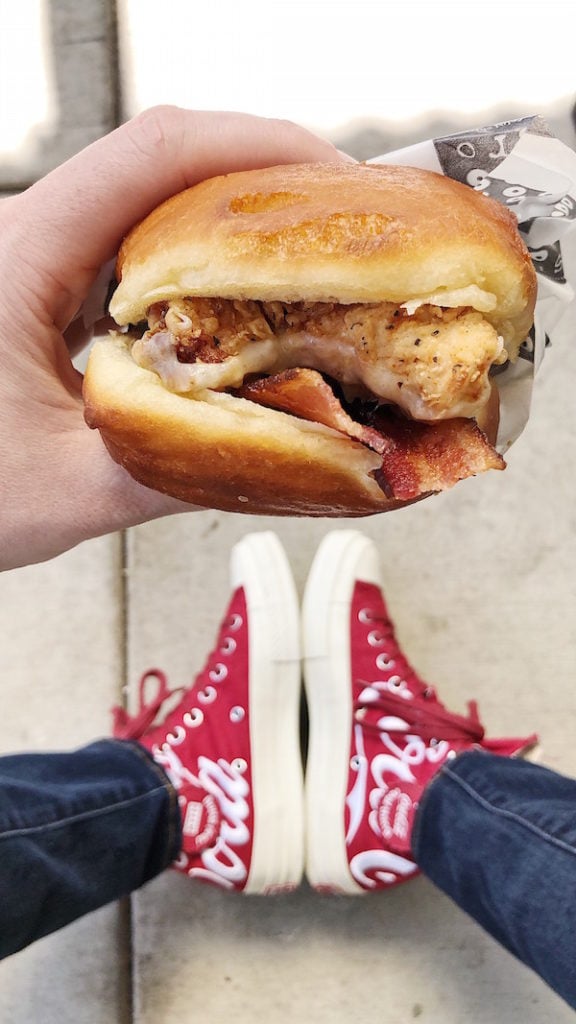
{"x":373,"y":867}
{"x":391,"y":811}
{"x":201,"y":822}
{"x":391,"y":808}
{"x":395,"y":684}
{"x":230,"y":789}
{"x":226,"y":785}
{"x":356,"y":799}
{"x":415,"y":750}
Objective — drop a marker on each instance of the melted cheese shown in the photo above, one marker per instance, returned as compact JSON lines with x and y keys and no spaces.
{"x":433,"y":366}
{"x":158,"y":353}
{"x":472,"y":296}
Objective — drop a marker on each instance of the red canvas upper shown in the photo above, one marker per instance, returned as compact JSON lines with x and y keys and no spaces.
{"x":400,"y":737}
{"x":204,"y":747}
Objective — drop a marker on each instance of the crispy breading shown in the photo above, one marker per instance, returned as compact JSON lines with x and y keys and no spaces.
{"x":433,"y":363}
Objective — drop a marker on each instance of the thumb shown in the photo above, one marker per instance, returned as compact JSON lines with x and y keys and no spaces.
{"x":73,"y":220}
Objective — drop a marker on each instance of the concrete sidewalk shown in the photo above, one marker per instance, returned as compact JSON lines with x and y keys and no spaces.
{"x":482,"y":584}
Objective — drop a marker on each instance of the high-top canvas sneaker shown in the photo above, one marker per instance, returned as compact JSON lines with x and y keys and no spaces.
{"x":231,"y":745}
{"x":378,"y":734}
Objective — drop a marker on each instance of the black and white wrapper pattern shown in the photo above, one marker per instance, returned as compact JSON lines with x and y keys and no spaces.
{"x":523,"y":166}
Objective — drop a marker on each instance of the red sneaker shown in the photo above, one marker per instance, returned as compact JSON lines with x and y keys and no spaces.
{"x":378,"y":734}
{"x":231,"y":746}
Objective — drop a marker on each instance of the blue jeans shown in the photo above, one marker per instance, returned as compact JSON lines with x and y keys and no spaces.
{"x":77,"y":831}
{"x":499,"y":837}
{"x":82,"y":829}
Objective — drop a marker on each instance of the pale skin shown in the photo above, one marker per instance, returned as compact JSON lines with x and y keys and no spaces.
{"x":59,"y":486}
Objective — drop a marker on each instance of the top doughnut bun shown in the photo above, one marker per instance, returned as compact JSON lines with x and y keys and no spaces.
{"x":330,"y":232}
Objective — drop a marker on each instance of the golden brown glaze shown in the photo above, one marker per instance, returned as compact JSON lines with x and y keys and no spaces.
{"x":323,"y":232}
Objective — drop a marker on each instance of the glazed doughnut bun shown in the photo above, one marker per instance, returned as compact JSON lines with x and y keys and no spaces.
{"x":342,"y":234}
{"x":330,"y":233}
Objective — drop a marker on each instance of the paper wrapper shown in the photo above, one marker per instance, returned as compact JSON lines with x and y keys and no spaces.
{"x":520,"y":164}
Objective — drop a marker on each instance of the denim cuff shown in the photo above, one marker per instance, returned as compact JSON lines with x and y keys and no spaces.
{"x":428,"y":798}
{"x":174,"y":829}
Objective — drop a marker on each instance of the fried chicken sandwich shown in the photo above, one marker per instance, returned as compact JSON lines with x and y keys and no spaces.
{"x":312,"y":339}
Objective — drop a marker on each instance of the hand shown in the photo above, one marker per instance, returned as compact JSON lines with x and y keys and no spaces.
{"x":59,"y":485}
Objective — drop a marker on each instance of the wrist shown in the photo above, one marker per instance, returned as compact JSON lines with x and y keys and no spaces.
{"x":70,"y":494}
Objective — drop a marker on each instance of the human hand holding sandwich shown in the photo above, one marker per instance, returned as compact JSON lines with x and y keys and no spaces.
{"x":59,"y":484}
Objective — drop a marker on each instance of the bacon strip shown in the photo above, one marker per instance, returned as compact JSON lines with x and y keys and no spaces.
{"x":305,"y":393}
{"x":417,"y":458}
{"x":429,"y":457}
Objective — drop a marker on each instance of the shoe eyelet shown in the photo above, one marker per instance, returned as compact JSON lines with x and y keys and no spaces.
{"x":207,"y":695}
{"x":396,"y":683}
{"x":365,"y":616}
{"x":229,"y":645}
{"x":360,"y":714}
{"x":384,"y":661}
{"x":356,"y":762}
{"x":193,"y":718}
{"x":234,"y":622}
{"x":375,"y":639}
{"x":218,"y":673}
{"x":237,"y":714}
{"x":177,"y":737}
{"x":239,"y":765}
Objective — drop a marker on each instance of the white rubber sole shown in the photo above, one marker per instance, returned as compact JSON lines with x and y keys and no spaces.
{"x":260,"y":566}
{"x":343,"y":557}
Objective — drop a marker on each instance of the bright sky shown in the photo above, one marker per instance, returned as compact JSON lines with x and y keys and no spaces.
{"x":325,"y":62}
{"x":25,"y":96}
{"x":320,"y":62}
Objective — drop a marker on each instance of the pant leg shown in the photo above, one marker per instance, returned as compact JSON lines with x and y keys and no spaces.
{"x":78,"y":830}
{"x":499,"y":837}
